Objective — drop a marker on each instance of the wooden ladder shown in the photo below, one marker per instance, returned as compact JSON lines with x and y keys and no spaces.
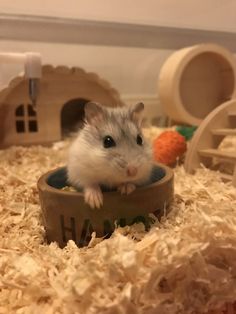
{"x":206,"y":140}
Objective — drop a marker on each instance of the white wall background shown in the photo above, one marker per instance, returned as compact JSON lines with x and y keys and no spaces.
{"x":203,"y":14}
{"x":132,"y":71}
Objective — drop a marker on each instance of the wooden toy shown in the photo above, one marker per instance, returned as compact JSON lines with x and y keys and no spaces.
{"x":168,"y":147}
{"x":205,"y":142}
{"x":66,"y":215}
{"x":63,"y":93}
{"x":196,"y":80}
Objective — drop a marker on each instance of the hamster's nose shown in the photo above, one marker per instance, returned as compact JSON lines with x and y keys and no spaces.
{"x":131,"y":171}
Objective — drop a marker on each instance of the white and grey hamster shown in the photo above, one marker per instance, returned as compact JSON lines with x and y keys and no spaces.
{"x":110,"y":150}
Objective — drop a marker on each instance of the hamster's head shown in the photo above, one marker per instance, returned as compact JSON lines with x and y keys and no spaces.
{"x":115,"y":145}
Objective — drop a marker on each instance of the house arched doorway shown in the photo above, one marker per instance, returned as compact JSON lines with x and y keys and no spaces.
{"x":72,"y":116}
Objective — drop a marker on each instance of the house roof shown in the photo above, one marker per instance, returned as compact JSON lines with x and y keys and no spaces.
{"x":63,"y":70}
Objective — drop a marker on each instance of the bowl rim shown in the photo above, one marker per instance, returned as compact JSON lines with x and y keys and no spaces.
{"x":42,"y":184}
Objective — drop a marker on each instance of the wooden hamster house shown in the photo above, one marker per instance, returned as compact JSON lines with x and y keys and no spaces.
{"x":63,"y":93}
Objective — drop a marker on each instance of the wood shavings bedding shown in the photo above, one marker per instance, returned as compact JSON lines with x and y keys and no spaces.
{"x":185,"y":264}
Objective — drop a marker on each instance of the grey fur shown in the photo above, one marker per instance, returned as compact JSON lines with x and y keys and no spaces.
{"x":90,"y":163}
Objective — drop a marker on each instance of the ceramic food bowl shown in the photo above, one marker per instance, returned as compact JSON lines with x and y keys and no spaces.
{"x":66,"y":216}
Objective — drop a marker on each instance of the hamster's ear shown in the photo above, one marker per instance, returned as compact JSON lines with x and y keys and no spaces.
{"x":94,"y":113}
{"x":137,"y":113}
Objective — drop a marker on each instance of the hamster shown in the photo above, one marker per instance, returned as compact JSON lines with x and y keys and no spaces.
{"x":110,"y":150}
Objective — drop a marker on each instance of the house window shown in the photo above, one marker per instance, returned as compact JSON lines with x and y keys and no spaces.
{"x":26,"y":119}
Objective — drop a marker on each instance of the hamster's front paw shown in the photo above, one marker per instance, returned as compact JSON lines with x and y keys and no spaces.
{"x":126,"y":188}
{"x":93,"y":196}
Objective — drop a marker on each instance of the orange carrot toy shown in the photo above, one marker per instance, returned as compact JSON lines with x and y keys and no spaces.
{"x":168,"y":146}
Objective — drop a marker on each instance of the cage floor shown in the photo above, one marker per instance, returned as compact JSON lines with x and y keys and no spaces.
{"x":185,"y":264}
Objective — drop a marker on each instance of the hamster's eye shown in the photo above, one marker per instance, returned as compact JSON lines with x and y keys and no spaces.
{"x":139,"y":140}
{"x":108,"y":142}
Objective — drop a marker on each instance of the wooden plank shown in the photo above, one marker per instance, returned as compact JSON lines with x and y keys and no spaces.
{"x":223,"y":132}
{"x":223,"y":155}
